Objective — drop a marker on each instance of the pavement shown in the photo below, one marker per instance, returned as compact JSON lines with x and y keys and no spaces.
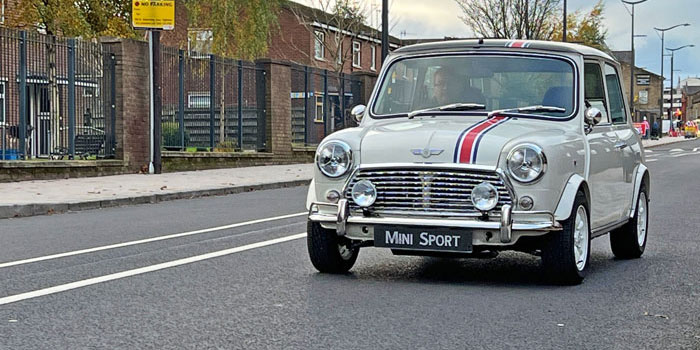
{"x":232,"y":272}
{"x":663,"y":141}
{"x":29,"y":198}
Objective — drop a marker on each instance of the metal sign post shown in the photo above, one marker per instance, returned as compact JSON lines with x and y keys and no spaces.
{"x":154,"y":16}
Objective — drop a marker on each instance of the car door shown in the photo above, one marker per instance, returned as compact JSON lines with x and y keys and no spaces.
{"x":605,"y":170}
{"x":627,"y":146}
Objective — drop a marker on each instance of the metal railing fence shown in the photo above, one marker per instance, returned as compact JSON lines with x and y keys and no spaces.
{"x":211,"y":103}
{"x":56,"y":97}
{"x":321,"y":103}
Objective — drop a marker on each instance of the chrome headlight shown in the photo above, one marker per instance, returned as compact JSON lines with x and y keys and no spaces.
{"x":484,"y":196}
{"x":364,"y":193}
{"x":334,"y":158}
{"x":526,"y":163}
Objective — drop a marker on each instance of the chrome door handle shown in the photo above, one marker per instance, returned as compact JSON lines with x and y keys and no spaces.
{"x":621,"y":145}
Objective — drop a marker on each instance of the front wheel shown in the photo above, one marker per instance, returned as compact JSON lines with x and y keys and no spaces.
{"x":566,"y":254}
{"x":328,"y":252}
{"x":630,"y":240}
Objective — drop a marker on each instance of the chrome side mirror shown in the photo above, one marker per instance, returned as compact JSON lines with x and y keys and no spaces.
{"x":358,"y":112}
{"x":592,"y":117}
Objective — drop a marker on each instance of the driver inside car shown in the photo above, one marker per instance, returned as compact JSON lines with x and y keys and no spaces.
{"x":447,"y":89}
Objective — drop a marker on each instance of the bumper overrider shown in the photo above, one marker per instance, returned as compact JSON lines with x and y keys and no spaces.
{"x":509,"y":226}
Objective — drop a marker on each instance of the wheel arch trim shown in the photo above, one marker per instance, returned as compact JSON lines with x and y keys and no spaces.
{"x":642,"y":175}
{"x":566,"y":202}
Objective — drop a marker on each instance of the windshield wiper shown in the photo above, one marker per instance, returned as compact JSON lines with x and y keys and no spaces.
{"x":450,"y":107}
{"x":537,"y":108}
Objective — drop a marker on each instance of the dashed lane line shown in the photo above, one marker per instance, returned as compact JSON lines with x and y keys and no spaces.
{"x":147,"y":240}
{"x":143,"y":270}
{"x":685,"y":154}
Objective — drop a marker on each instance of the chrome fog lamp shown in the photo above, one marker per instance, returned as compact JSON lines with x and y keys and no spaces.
{"x":526,"y":203}
{"x":364,"y":193}
{"x":484,"y":196}
{"x":526,"y":163}
{"x":334,"y":158}
{"x":333,"y":196}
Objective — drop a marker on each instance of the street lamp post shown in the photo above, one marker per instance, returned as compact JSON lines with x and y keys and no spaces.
{"x":663,"y":32}
{"x":633,"y":3}
{"x":565,"y":24}
{"x":385,"y":29}
{"x":670,"y":110}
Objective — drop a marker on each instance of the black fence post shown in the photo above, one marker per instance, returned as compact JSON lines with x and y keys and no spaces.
{"x":325,"y":103}
{"x":113,"y":105}
{"x":261,"y":99}
{"x":22,"y":127}
{"x":71,"y":97}
{"x":341,"y":100}
{"x":212,"y":98}
{"x":306,"y":105}
{"x":240,"y":105}
{"x":181,"y":97}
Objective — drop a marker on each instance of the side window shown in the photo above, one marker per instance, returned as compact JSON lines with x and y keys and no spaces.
{"x":617,"y":103}
{"x":595,"y":90}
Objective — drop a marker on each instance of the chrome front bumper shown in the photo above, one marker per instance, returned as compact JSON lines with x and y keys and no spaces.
{"x":339,"y":214}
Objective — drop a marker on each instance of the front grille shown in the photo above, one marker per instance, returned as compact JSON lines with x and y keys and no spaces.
{"x":427,"y":191}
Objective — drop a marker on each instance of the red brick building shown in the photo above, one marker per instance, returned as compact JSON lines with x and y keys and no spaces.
{"x":292,"y":40}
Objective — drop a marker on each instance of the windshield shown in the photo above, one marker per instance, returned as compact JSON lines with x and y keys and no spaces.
{"x":497,"y":81}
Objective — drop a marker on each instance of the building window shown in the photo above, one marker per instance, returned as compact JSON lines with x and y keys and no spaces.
{"x":319,"y":108}
{"x":356,"y":54}
{"x":2,"y":103}
{"x":89,"y":91}
{"x":198,"y":99}
{"x":2,"y":11}
{"x":643,"y":97}
{"x":319,"y":50}
{"x":643,"y":79}
{"x":199,"y":42}
{"x":373,"y":65}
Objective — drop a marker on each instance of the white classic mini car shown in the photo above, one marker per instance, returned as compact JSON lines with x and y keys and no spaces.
{"x":472,"y":147}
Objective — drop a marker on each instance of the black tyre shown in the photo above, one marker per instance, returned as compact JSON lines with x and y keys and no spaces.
{"x":630,"y":240}
{"x":566,"y":254}
{"x":328,"y":252}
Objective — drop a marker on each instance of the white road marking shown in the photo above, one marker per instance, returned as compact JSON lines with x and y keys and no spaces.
{"x":676,"y":150}
{"x":684,"y":154}
{"x":147,"y":240}
{"x":695,"y":149}
{"x":651,"y":160}
{"x":143,"y":270}
{"x":648,"y":151}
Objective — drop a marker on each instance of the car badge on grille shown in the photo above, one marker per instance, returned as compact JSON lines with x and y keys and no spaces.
{"x":427,"y":152}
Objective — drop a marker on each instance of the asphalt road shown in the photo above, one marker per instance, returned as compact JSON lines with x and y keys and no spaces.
{"x":249,"y":295}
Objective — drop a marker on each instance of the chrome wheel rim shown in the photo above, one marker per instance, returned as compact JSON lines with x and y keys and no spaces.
{"x":581,"y":238}
{"x":642,"y":216}
{"x":345,"y":252}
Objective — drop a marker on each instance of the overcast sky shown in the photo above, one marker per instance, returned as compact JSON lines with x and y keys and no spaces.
{"x":439,"y":18}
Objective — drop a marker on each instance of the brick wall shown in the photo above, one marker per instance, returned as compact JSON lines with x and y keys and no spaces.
{"x":133,"y":106}
{"x":651,"y":108}
{"x":178,"y":36}
{"x":12,"y":13}
{"x":294,"y":42}
{"x":279,"y":106}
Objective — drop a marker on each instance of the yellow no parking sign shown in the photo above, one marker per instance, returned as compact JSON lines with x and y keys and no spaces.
{"x":153,"y":14}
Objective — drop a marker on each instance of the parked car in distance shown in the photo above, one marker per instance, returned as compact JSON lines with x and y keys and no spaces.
{"x":468,"y":148}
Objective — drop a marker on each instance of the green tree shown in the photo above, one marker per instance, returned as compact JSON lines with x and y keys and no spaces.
{"x":240,"y":29}
{"x":511,"y":19}
{"x":586,"y":28}
{"x":77,"y":18}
